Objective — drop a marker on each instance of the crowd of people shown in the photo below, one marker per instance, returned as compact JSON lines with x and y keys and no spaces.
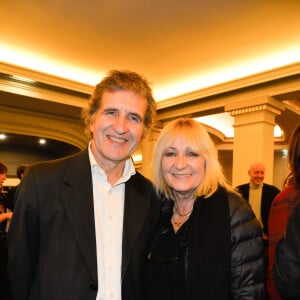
{"x":6,"y":212}
{"x":89,"y":226}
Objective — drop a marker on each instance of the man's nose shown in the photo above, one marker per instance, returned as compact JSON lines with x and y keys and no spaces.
{"x":120,"y":125}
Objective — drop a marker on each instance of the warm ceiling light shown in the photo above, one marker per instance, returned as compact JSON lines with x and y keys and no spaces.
{"x":242,"y":68}
{"x":36,"y":62}
{"x":187,"y":83}
{"x":2,"y":136}
{"x":42,"y":141}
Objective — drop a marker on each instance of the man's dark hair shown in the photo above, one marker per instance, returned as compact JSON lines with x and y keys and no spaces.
{"x":21,"y":170}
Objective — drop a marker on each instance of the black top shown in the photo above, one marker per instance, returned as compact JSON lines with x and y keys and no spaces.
{"x":164,"y":274}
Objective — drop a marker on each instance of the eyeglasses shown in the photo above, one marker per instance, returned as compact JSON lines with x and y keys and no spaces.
{"x":168,"y":247}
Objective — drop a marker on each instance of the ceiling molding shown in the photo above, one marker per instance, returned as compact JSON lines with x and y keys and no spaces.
{"x":45,"y":78}
{"x":210,"y":102}
{"x":43,"y":92}
{"x":250,"y":81}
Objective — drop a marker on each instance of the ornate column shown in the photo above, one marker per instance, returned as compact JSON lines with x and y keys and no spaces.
{"x":147,"y":150}
{"x":254,"y":121}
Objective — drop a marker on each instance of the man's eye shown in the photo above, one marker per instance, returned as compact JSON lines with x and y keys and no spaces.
{"x":134,"y":118}
{"x":110,"y":112}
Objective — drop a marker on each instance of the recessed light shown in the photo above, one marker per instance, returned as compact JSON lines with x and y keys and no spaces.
{"x":42,"y":141}
{"x":2,"y":136}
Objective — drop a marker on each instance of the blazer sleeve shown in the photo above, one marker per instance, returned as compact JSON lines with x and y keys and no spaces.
{"x":23,"y":241}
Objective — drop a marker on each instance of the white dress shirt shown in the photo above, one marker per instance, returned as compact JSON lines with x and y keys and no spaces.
{"x":255,"y":194}
{"x":109,"y":211}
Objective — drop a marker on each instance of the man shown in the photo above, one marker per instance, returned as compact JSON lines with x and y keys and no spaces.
{"x":5,"y":214}
{"x":259,"y":194}
{"x":12,"y":191}
{"x":80,"y":226}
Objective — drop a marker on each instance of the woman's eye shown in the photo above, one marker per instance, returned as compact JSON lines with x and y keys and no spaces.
{"x":168,"y":154}
{"x":194,"y":154}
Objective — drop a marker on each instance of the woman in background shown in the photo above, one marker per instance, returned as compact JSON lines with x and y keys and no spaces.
{"x":282,"y":207}
{"x":287,"y":259}
{"x":208,"y":243}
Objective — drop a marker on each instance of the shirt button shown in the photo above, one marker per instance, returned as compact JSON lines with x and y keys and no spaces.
{"x":93,"y":287}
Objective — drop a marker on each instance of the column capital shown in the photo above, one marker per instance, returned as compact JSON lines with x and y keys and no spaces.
{"x":264,"y":103}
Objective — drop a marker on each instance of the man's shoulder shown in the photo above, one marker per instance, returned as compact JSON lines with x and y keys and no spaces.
{"x":140,"y":179}
{"x":243,"y":186}
{"x":74,"y":161}
{"x":271,"y":187}
{"x":143,"y":187}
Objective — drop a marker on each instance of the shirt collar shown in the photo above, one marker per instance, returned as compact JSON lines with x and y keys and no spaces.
{"x":256,"y":186}
{"x":129,"y":169}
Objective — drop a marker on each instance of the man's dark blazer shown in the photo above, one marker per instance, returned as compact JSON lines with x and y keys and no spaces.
{"x":52,"y":244}
{"x":269,"y":192}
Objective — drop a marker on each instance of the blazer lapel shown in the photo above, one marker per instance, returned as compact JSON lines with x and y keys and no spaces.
{"x":135,"y":210}
{"x":78,"y":201}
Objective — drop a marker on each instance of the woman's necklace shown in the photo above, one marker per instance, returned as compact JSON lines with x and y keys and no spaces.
{"x":175,"y":210}
{"x":183,"y":217}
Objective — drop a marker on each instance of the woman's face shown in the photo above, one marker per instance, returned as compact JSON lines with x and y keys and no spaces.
{"x":183,"y":167}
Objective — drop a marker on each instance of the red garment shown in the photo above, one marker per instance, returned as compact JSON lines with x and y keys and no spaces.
{"x":281,"y":209}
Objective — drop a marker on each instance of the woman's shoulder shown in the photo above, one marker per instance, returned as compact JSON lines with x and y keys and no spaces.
{"x":239,"y":209}
{"x":235,"y":200}
{"x":289,"y":191}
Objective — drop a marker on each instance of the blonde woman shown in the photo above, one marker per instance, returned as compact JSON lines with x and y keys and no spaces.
{"x":208,"y":243}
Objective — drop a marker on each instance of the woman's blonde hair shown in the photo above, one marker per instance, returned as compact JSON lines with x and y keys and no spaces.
{"x":199,"y":140}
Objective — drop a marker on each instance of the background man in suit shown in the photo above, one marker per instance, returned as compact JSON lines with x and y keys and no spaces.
{"x":80,"y":226}
{"x":259,"y":194}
